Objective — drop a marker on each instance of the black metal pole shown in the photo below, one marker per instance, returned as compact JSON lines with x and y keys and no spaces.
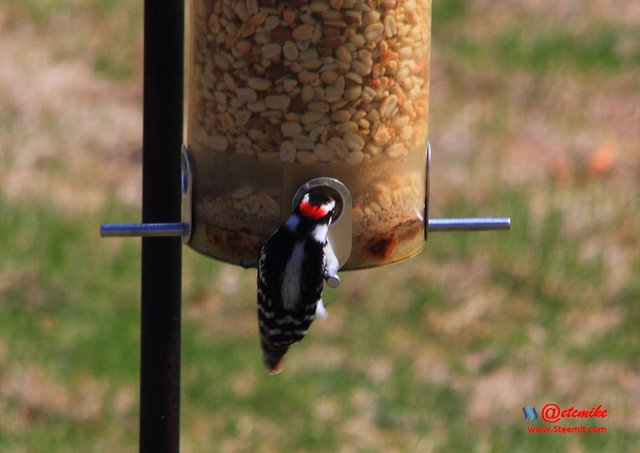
{"x":161,"y":257}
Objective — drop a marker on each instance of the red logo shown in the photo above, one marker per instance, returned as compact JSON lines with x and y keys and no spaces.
{"x":552,"y":413}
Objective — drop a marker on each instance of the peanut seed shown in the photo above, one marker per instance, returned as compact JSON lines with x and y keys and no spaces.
{"x":221,"y":62}
{"x":220,"y":98}
{"x":368,"y":94}
{"x":288,"y":85}
{"x":403,"y":75}
{"x":243,"y":45}
{"x":329,"y":77}
{"x":390,"y":28}
{"x":355,"y":157}
{"x":306,"y":157}
{"x":258,"y":18}
{"x":303,"y":32}
{"x":375,"y":207}
{"x":241,"y":11}
{"x":252,"y":6}
{"x":353,"y":76}
{"x":246,"y":95}
{"x":365,"y":56}
{"x":271,"y":50}
{"x":307,"y":93}
{"x":374,"y":31}
{"x":353,"y":17}
{"x":287,"y":151}
{"x":324,"y":152}
{"x":353,"y":93}
{"x":258,"y":84}
{"x":227,"y":122}
{"x":405,"y":52}
{"x":269,"y":205}
{"x":318,"y":7}
{"x":396,"y":150}
{"x":381,"y":136}
{"x":254,"y":134}
{"x":257,"y":107}
{"x":372,"y":17}
{"x":318,"y":106}
{"x":353,"y":141}
{"x":373,"y":116}
{"x":303,"y":142}
{"x":388,"y":105}
{"x":358,"y":40}
{"x":312,"y":63}
{"x":363,"y":123}
{"x":289,"y":16}
{"x":374,"y":150}
{"x":279,"y":102}
{"x":360,"y":68}
{"x":318,"y":92}
{"x":307,"y":76}
{"x":337,"y":23}
{"x":242,"y":117}
{"x":271,"y":22}
{"x":274,"y":117}
{"x":241,"y":192}
{"x":343,"y":54}
{"x":338,"y":146}
{"x":333,"y":96}
{"x":400,"y":121}
{"x":290,"y":129}
{"x":229,"y":83}
{"x":340,"y":116}
{"x":311,"y":117}
{"x":318,"y":134}
{"x":303,"y":45}
{"x":406,"y":133}
{"x":348,"y":126}
{"x":290,"y":50}
{"x":328,"y":64}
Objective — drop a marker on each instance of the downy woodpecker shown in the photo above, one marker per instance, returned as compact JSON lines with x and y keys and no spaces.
{"x":293,"y":262}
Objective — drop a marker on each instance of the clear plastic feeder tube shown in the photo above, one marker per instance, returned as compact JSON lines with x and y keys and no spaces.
{"x":282,"y":92}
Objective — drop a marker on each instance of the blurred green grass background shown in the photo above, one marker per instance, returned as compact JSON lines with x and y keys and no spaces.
{"x":535,"y":108}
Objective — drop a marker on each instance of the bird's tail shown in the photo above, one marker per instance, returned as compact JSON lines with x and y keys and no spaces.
{"x":272,"y":355}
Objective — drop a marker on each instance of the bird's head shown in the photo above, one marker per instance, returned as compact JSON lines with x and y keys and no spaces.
{"x":316,"y":207}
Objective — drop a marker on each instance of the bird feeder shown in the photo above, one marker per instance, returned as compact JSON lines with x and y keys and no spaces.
{"x":285,"y":97}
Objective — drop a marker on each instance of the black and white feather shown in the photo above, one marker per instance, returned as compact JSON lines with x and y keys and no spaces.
{"x":293,"y":263}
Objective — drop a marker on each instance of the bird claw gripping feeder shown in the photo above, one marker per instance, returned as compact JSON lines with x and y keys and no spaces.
{"x":287,"y":97}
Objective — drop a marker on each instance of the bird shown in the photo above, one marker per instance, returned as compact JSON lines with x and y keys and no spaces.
{"x":292,"y":265}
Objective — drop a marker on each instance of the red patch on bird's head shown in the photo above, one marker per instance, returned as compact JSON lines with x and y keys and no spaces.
{"x":311,"y":211}
{"x":316,"y":206}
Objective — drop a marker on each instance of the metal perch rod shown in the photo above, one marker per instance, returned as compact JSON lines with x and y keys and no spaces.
{"x":143,"y":230}
{"x":471,"y":224}
{"x":179,"y":229}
